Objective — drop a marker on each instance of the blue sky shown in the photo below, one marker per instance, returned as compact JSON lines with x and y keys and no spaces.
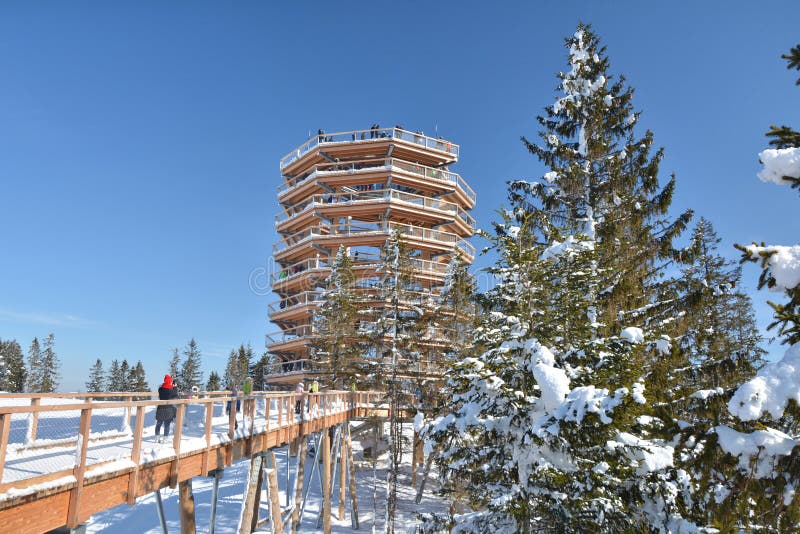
{"x":139,"y":143}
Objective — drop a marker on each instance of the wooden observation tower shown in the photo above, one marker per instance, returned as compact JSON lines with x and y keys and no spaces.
{"x":355,"y":189}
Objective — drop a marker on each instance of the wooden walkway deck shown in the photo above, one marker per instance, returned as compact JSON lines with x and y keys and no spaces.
{"x":103,"y":454}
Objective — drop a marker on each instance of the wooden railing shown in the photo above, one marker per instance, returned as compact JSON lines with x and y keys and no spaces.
{"x":378,"y":134}
{"x":27,"y":457}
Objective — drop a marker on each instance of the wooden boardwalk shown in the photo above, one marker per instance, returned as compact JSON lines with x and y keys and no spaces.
{"x":112,"y":455}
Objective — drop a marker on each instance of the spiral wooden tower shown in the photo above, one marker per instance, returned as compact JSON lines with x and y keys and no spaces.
{"x":354,"y":189}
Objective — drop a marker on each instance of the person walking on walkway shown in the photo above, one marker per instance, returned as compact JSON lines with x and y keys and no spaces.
{"x":299,"y":392}
{"x":165,"y":413}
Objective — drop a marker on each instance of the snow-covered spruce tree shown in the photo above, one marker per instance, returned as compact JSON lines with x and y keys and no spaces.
{"x":717,"y":348}
{"x":551,"y":427}
{"x":16,"y":372}
{"x":764,"y":442}
{"x":338,"y":350}
{"x":96,"y":382}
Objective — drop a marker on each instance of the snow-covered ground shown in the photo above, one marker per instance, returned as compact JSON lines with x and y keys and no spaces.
{"x":371,"y":484}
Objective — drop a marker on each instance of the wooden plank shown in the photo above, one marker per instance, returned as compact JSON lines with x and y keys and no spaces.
{"x":80,"y":468}
{"x":274,"y":497}
{"x":39,"y":515}
{"x":186,"y":507}
{"x":326,"y":482}
{"x":176,"y":445}
{"x":298,"y":493}
{"x":136,"y":454}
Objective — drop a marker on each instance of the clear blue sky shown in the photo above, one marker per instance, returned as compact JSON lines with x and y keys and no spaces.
{"x":139,"y":144}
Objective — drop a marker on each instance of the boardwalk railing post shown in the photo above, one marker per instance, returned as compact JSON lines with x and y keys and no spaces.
{"x":33,"y":421}
{"x":133,"y":482}
{"x":5,"y":428}
{"x":73,"y":514}
{"x":207,"y":423}
{"x":176,"y":445}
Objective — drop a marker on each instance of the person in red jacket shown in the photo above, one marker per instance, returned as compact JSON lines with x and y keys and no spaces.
{"x":165,"y":413}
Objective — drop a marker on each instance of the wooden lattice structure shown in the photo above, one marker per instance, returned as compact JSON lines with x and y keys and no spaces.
{"x":355,"y":189}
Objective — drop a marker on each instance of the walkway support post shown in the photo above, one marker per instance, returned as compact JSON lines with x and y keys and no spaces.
{"x":326,"y":484}
{"x":299,"y":480}
{"x":353,"y":496}
{"x":217,"y":474}
{"x":186,"y":506}
{"x":251,"y":495}
{"x":274,"y":496}
{"x":160,"y":509}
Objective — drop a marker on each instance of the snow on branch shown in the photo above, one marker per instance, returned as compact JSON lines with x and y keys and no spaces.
{"x":783,"y":263}
{"x":779,"y":164}
{"x":771,"y":390}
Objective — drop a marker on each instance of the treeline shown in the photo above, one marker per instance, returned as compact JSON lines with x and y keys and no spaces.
{"x":120,"y":376}
{"x":41,"y":372}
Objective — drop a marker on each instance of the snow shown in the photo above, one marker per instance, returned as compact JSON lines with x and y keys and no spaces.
{"x":633,"y":335}
{"x":589,"y":399}
{"x":770,"y":391}
{"x":553,"y":383}
{"x":763,"y":445}
{"x":784,"y":264}
{"x":778,"y":163}
{"x":571,"y":245}
{"x":649,"y":456}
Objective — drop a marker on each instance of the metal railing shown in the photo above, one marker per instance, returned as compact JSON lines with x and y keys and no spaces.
{"x":388,"y":164}
{"x":371,"y":135}
{"x":381,"y":228}
{"x":291,"y":334}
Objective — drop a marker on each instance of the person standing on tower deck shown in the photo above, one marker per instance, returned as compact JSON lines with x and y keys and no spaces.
{"x":165,"y":413}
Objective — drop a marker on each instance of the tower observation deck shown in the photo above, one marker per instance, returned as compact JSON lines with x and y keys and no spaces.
{"x":355,"y":189}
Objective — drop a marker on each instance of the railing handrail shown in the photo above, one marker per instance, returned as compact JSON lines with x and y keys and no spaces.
{"x":330,"y":199}
{"x":390,"y":164}
{"x":383,"y":227}
{"x":378,"y":134}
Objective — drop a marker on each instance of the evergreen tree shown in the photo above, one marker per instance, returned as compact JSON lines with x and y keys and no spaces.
{"x":5,"y":347}
{"x":124,"y":376}
{"x":51,"y":367}
{"x":191,"y":373}
{"x":761,"y":443}
{"x":718,"y":348}
{"x":96,"y":382}
{"x":14,"y":361}
{"x":175,"y":365}
{"x":550,"y":429}
{"x":337,"y":349}
{"x":114,"y":380}
{"x":214,"y":382}
{"x":137,"y":378}
{"x":35,"y":372}
{"x":238,"y":367}
{"x":260,"y":372}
